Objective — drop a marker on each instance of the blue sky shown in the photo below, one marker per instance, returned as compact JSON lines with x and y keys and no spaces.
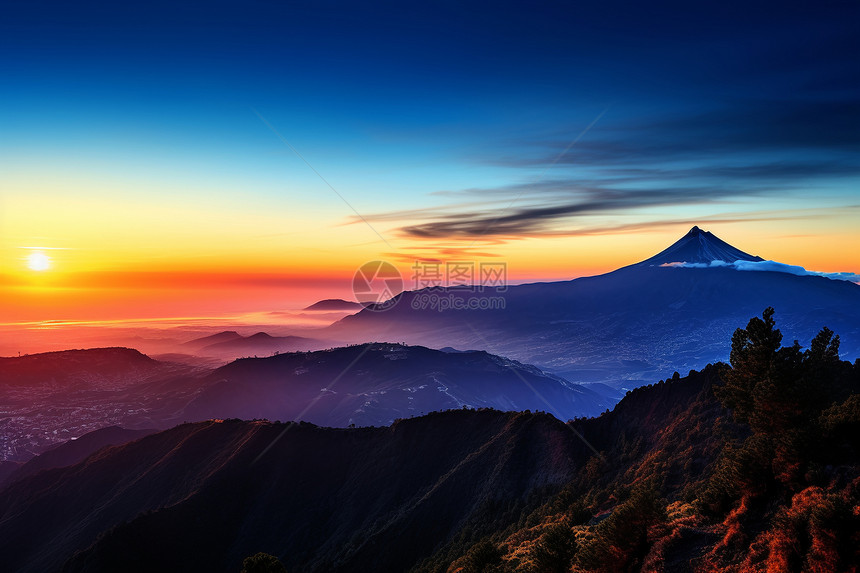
{"x":446,"y":123}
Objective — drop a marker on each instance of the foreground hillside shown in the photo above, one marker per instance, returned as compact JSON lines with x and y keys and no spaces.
{"x":741,"y":468}
{"x":747,"y":467}
{"x":197,"y":498}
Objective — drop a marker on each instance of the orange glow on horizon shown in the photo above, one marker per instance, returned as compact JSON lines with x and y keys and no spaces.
{"x":206,"y":270}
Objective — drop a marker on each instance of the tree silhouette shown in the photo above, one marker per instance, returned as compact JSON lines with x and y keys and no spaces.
{"x":780,"y":393}
{"x":624,"y":538}
{"x":752,"y":358}
{"x":483,"y":557}
{"x":554,"y":551}
{"x":263,"y":563}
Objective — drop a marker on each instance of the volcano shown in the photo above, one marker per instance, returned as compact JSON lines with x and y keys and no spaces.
{"x":698,"y":247}
{"x":675,"y":311}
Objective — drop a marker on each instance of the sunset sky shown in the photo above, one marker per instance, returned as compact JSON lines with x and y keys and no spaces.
{"x":158,"y":160}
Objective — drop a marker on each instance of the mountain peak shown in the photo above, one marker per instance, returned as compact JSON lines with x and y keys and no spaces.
{"x":260,"y":336}
{"x":334,"y":304}
{"x":698,"y":246}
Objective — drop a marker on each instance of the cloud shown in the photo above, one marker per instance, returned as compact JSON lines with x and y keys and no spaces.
{"x":771,"y":266}
{"x":772,"y":150}
{"x":438,"y":229}
{"x":778,"y":148}
{"x":554,"y":217}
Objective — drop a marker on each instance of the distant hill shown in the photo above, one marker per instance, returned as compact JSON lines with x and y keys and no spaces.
{"x":375,"y":383}
{"x":226,"y":336}
{"x":48,"y":398}
{"x":232,"y":345}
{"x":673,"y":312}
{"x":76,"y":368}
{"x":330,"y":304}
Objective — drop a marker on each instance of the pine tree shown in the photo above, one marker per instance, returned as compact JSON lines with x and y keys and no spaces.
{"x":263,"y":563}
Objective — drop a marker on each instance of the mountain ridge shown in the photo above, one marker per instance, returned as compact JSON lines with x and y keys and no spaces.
{"x":374,"y":383}
{"x":74,"y":451}
{"x":201,"y":480}
{"x":231,"y":345}
{"x":679,"y":476}
{"x":654,"y":318}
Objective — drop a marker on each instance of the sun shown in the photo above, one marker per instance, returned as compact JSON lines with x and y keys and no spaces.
{"x":38,"y":262}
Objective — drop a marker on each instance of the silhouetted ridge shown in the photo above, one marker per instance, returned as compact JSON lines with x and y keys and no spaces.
{"x":260,"y":336}
{"x":232,"y":345}
{"x":224,"y":336}
{"x":323,"y":500}
{"x":82,"y":356}
{"x":64,"y":365}
{"x":76,"y":450}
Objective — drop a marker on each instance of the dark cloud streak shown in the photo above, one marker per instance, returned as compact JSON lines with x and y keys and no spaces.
{"x":537,"y":220}
{"x":749,"y":149}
